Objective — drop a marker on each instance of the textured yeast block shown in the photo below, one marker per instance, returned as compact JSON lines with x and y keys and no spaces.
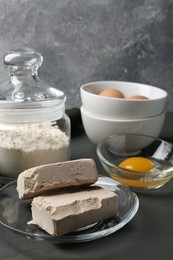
{"x":38,"y":180}
{"x":63,"y":213}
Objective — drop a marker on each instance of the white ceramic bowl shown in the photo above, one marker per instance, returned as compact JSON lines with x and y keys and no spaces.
{"x":119,"y":108}
{"x":98,"y":128}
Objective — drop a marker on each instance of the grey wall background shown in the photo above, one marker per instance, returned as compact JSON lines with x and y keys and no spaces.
{"x":90,"y":40}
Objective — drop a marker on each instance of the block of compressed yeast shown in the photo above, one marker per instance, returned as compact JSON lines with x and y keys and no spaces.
{"x":65,"y":212}
{"x":38,"y":180}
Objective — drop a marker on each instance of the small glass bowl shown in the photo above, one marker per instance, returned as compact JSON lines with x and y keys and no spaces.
{"x":115,"y":149}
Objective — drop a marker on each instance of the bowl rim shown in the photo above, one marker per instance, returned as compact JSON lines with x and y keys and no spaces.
{"x":164,"y":92}
{"x":107,"y":119}
{"x":102,"y":158}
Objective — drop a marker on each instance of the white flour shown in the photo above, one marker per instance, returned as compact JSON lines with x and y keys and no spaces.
{"x":30,"y":145}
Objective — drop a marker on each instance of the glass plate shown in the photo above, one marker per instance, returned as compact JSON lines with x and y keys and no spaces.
{"x":15,"y":213}
{"x":4,"y":180}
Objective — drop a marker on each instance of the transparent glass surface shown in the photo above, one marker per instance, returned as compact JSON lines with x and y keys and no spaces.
{"x":32,"y":112}
{"x":23,"y":146}
{"x":118,"y":148}
{"x":15,"y":213}
{"x":24,"y":84}
{"x":24,"y":97}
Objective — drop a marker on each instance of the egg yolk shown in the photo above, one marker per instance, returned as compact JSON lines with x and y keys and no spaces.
{"x":137,"y":164}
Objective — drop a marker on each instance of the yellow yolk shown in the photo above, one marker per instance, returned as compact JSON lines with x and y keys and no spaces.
{"x":137,"y":164}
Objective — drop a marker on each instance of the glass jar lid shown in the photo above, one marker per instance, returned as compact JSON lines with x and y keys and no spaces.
{"x":25,"y":91}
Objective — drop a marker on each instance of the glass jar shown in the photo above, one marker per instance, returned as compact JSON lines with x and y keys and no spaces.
{"x":34,"y":128}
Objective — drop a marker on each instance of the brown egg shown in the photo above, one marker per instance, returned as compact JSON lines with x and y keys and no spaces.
{"x":113,"y":93}
{"x":138,"y":97}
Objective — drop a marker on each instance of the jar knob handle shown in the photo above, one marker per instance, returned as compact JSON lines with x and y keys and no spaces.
{"x":23,"y":58}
